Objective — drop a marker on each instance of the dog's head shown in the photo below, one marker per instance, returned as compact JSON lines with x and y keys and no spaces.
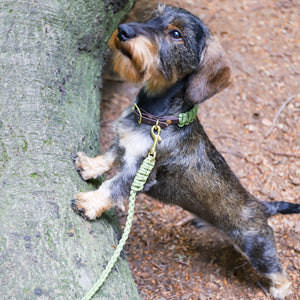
{"x":170,"y":46}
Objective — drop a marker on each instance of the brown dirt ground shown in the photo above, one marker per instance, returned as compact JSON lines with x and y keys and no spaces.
{"x":169,"y":258}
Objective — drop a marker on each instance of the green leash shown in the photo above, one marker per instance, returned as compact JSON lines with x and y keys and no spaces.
{"x":138,"y":185}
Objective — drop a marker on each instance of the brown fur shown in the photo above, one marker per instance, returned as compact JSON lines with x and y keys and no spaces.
{"x":144,"y":66}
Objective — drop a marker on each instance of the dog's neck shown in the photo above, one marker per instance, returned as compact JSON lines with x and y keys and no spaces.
{"x":168,"y":102}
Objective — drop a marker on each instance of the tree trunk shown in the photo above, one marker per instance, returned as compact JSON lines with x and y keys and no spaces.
{"x":51,"y":57}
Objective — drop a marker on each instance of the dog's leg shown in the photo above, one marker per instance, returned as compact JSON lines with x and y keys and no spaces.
{"x":260,"y":248}
{"x":92,"y":204}
{"x":89,"y":167}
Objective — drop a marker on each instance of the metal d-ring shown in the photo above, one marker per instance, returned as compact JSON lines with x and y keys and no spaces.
{"x":139,"y":111}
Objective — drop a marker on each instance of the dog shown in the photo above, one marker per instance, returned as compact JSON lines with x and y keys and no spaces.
{"x":181,"y":64}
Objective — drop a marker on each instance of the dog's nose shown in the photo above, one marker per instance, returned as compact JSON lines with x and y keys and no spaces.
{"x":125,"y":32}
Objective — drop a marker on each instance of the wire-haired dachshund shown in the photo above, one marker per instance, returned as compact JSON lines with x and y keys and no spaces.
{"x":181,"y":64}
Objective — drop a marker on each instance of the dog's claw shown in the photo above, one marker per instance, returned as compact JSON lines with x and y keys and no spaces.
{"x":75,"y":158}
{"x":80,"y":211}
{"x":73,"y":205}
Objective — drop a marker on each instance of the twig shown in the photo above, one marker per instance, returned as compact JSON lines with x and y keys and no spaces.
{"x":293,"y":263}
{"x":262,"y":288}
{"x":143,"y":212}
{"x":233,"y":138}
{"x":284,"y":104}
{"x":282,"y":153}
{"x":181,"y":262}
{"x":156,"y":266}
{"x":185,"y":221}
{"x":238,"y":154}
{"x":138,"y":212}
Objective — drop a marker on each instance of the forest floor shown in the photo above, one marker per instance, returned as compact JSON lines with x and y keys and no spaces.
{"x":255,"y":124}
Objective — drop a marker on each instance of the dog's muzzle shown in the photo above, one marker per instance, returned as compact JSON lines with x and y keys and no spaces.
{"x":125,"y":32}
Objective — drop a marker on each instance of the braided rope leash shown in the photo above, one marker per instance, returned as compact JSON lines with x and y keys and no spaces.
{"x":137,"y":185}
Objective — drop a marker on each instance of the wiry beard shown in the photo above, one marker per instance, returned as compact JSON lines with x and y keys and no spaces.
{"x":137,"y":60}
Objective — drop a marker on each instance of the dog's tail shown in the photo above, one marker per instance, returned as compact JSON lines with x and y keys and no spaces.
{"x":281,"y":207}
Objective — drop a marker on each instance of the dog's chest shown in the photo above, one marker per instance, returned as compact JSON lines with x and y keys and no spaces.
{"x":135,"y":142}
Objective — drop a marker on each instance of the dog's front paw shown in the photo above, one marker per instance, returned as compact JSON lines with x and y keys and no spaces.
{"x":84,"y":205}
{"x":90,"y":167}
{"x":91,"y":205}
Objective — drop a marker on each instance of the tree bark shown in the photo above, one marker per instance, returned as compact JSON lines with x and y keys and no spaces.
{"x":51,"y":57}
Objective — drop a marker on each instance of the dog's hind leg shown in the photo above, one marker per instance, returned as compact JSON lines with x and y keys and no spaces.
{"x":260,"y":249}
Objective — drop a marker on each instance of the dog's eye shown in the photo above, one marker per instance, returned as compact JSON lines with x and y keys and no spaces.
{"x":175,"y":34}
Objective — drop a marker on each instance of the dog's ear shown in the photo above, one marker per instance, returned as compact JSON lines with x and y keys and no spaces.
{"x":213,"y":75}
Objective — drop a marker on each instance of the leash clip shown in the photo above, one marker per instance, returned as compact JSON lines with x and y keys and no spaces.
{"x":155,"y":133}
